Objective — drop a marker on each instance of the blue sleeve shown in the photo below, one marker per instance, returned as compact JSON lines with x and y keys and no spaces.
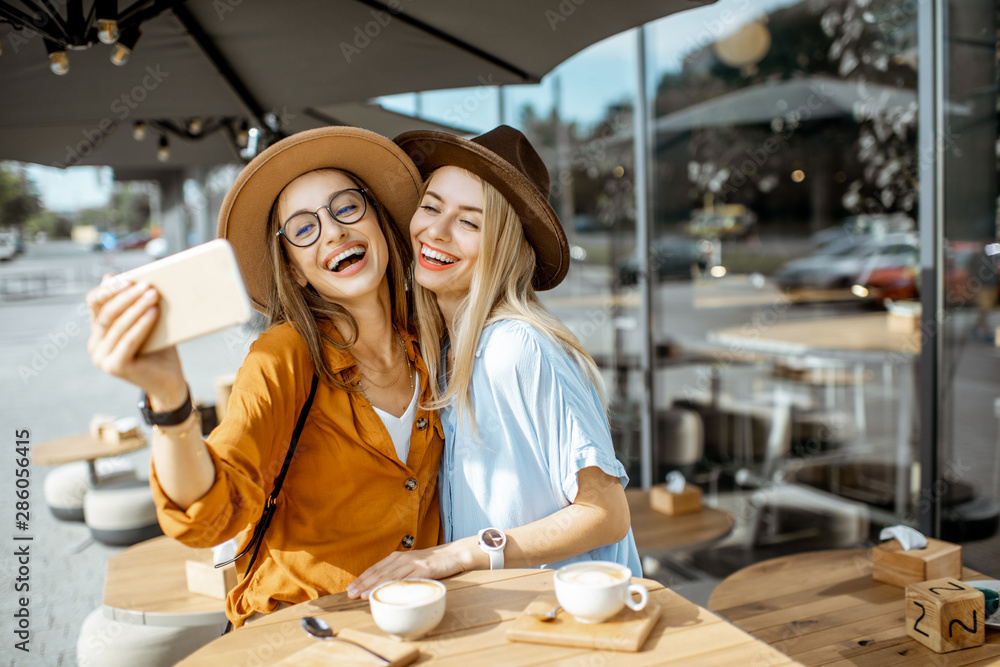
{"x":550,"y":400}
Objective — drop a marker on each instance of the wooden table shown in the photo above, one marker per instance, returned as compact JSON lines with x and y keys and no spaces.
{"x":823,"y":608}
{"x":481,"y":607}
{"x":146,"y":584}
{"x":857,"y":337}
{"x":654,"y":531}
{"x":83,"y":447}
{"x":870,"y":332}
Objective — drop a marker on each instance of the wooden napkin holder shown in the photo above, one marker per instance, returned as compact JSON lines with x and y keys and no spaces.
{"x":103,"y":428}
{"x":205,"y":579}
{"x":687,"y":501}
{"x":892,"y":565}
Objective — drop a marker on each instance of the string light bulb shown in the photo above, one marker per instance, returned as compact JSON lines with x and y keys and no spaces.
{"x":106,"y":12}
{"x":59,"y":63}
{"x":107,"y":31}
{"x":194,"y":126}
{"x":58,"y":60}
{"x":163,"y":152}
{"x":139,"y":130}
{"x":243,"y":136}
{"x":126,"y":43}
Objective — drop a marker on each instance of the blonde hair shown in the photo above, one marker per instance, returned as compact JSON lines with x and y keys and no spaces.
{"x":304,"y":308}
{"x":501,"y":289}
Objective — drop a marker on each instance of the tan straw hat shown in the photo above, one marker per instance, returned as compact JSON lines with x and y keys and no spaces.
{"x":505,"y":159}
{"x":245,"y":214}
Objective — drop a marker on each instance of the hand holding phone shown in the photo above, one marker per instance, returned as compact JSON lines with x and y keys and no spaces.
{"x":201,"y":292}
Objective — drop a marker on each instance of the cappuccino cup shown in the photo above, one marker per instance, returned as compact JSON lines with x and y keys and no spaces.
{"x":409,"y":608}
{"x":595,"y":591}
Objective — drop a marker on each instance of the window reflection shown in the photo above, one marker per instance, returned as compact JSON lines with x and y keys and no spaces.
{"x":785,"y":261}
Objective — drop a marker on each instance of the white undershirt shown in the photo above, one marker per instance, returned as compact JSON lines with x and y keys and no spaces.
{"x":400,"y":428}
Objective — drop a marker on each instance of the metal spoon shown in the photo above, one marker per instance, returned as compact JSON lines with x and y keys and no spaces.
{"x":549,"y":615}
{"x":320,"y":629}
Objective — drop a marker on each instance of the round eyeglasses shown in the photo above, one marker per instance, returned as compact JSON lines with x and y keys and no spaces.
{"x":346,"y":207}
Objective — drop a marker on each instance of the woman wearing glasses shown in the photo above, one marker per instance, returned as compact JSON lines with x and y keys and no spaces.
{"x":529,"y":475}
{"x":318,"y":223}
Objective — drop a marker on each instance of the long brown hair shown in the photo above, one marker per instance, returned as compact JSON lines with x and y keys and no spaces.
{"x":501,"y":289}
{"x":304,"y":308}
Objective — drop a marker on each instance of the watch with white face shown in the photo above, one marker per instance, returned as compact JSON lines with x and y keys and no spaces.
{"x":492,"y":541}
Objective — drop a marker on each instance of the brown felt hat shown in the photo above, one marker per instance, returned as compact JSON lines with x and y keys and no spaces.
{"x":505,"y":159}
{"x":389,"y":173}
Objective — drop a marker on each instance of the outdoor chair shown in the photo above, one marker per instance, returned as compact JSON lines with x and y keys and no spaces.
{"x":121,"y":512}
{"x":104,"y":642}
{"x":66,"y":487}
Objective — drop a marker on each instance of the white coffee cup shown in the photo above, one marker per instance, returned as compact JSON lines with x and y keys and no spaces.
{"x":594,"y":591}
{"x":408,"y":608}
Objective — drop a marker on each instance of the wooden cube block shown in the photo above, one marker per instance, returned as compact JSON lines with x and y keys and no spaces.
{"x":945,"y":614}
{"x":687,"y":501}
{"x":892,"y":565}
{"x":205,"y":579}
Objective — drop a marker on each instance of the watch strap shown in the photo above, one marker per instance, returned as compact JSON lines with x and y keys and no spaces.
{"x":172,"y":418}
{"x":496,"y":559}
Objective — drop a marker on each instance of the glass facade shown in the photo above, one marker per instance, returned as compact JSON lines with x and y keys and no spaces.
{"x":788,"y":260}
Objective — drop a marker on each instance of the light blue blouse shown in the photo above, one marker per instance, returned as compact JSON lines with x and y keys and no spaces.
{"x":539,"y":422}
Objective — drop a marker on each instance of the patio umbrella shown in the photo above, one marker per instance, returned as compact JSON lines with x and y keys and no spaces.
{"x":230,"y":62}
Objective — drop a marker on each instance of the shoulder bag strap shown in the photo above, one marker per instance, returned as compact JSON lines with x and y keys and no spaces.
{"x":272,"y":500}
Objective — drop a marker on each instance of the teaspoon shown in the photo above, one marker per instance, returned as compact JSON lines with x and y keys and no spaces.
{"x":320,"y":629}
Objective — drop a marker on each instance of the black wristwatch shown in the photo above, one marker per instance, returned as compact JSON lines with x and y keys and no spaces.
{"x":172,"y":418}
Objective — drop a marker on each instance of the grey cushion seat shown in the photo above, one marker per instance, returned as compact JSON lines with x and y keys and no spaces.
{"x":121,"y":512}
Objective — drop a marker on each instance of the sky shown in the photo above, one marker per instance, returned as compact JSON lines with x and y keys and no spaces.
{"x":585,"y":85}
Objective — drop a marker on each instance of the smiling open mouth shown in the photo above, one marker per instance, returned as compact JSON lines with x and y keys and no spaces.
{"x":435,"y":257}
{"x":347,"y":259}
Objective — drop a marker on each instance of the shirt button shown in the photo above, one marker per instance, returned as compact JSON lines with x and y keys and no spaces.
{"x":408,"y":541}
{"x":421,"y":424}
{"x":411,"y":484}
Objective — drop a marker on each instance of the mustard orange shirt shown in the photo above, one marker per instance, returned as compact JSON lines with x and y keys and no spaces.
{"x":347,"y":500}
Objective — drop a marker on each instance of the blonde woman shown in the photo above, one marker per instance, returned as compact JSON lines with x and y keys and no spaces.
{"x":529,"y":477}
{"x":313,"y":223}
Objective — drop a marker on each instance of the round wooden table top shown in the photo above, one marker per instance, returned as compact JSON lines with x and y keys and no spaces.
{"x":867,"y":332}
{"x":654,"y":531}
{"x":824,"y":608}
{"x":482,"y":608}
{"x":146,"y":584}
{"x":83,"y":447}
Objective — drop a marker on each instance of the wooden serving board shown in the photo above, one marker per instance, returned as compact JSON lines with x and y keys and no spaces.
{"x":326,"y":652}
{"x":625,"y":631}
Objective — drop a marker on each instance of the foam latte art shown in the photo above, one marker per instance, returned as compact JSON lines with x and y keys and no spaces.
{"x":407,"y":592}
{"x":592,"y":576}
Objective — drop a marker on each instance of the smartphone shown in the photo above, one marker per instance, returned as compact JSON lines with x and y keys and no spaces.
{"x":201,"y":292}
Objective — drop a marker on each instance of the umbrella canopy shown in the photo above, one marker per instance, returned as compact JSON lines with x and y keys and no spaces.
{"x":269,"y":63}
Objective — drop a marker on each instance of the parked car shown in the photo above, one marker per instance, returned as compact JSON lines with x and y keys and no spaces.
{"x":863,"y":226}
{"x":135,"y":240}
{"x":838,"y":266}
{"x":900,"y":279}
{"x":670,"y":258}
{"x":8,"y":246}
{"x":724,"y":221}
